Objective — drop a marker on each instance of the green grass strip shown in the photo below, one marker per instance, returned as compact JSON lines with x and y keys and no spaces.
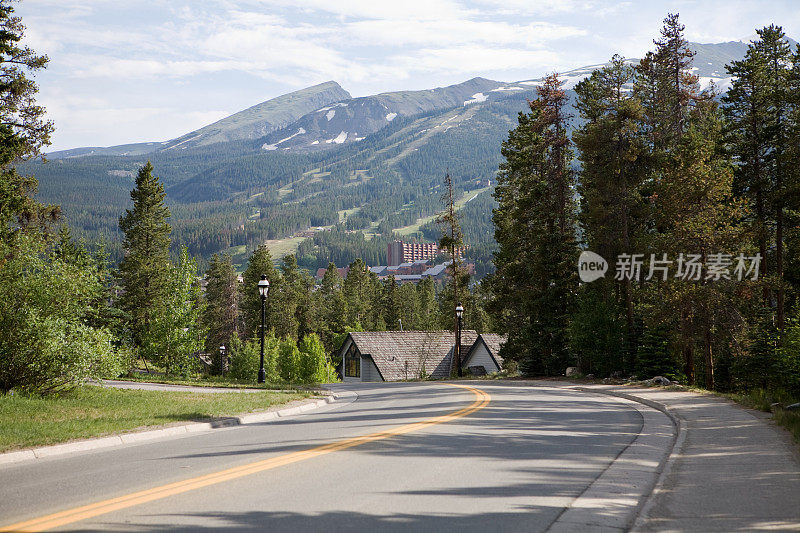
{"x":30,"y":420}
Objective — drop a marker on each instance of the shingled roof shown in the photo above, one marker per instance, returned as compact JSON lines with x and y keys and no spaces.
{"x":404,"y":354}
{"x":494,"y":342}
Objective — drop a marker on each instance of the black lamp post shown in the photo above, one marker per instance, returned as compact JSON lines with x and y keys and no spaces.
{"x":459,"y":314}
{"x":222,"y":360}
{"x":263,"y":288}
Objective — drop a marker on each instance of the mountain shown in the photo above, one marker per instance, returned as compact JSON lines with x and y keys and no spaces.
{"x":251,"y":123}
{"x":352,"y":120}
{"x":318,"y":158}
{"x":263,"y":118}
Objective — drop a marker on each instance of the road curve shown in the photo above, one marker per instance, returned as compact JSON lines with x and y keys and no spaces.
{"x":418,"y":456}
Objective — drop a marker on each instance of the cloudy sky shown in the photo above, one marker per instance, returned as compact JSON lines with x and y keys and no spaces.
{"x":150,"y":70}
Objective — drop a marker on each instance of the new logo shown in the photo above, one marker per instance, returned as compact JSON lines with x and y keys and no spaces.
{"x":591,"y":266}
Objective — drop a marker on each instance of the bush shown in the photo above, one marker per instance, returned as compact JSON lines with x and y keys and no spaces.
{"x":314,"y":366}
{"x":288,"y":361}
{"x":246,"y":358}
{"x":45,"y":341}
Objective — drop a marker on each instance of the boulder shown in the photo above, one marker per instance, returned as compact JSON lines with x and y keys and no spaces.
{"x":571,"y":371}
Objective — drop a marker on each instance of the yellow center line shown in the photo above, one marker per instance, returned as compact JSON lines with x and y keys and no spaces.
{"x":136,"y":498}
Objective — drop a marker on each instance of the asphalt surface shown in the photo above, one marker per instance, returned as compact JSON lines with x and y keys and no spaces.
{"x":515,"y":464}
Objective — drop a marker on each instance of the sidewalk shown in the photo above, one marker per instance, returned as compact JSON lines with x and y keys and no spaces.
{"x":731,"y":468}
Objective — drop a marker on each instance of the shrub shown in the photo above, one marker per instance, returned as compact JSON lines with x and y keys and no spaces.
{"x":246,"y":356}
{"x":314,"y":366}
{"x":45,"y":341}
{"x":288,"y":361}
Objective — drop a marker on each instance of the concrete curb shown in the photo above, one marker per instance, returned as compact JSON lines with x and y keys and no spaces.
{"x":617,"y":498}
{"x":172,"y":431}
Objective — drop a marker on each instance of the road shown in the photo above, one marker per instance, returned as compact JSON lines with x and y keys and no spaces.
{"x":437,"y":457}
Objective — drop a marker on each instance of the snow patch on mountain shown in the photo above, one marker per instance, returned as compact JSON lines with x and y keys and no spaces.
{"x":270,"y":147}
{"x":341,"y":138}
{"x":340,"y":104}
{"x":501,"y":89}
{"x":390,"y":117}
{"x":330,"y":114}
{"x":476,"y":98}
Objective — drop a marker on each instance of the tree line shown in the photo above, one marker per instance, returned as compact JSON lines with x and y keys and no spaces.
{"x":673,"y":186}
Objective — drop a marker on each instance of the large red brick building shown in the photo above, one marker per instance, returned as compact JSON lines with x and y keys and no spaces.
{"x":399,"y":252}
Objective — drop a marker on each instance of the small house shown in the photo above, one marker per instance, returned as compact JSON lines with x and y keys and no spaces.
{"x":399,"y":355}
{"x":484,"y":355}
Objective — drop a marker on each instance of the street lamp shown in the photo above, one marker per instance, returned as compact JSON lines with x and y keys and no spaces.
{"x":222,"y":360}
{"x":263,"y":288}
{"x":459,"y":314}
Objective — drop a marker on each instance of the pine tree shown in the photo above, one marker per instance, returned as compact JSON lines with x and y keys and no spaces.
{"x":259,"y":263}
{"x":535,"y":282}
{"x":747,"y":112}
{"x":333,"y":319}
{"x":221,"y":317}
{"x":773,"y":49}
{"x":696,"y":213}
{"x":392,"y":311}
{"x":614,"y":166}
{"x":144,"y":271}
{"x":23,"y":132}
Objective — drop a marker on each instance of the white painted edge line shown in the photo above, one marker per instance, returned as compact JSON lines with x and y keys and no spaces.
{"x":173,"y":431}
{"x":616,"y":498}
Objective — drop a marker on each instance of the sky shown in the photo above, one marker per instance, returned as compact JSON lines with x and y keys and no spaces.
{"x":125,"y":71}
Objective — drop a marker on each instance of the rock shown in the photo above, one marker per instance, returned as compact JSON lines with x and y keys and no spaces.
{"x":793,"y":407}
{"x":659,"y":380}
{"x":571,"y":371}
{"x":589,"y":376}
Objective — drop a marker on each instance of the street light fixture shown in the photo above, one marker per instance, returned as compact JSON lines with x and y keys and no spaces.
{"x":459,"y":314}
{"x":263,"y":288}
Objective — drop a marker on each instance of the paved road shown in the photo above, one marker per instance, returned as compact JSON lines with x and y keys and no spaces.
{"x":513,"y":464}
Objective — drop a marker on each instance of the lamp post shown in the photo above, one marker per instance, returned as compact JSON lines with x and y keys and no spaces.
{"x":459,"y":314}
{"x":263,"y":288}
{"x":222,"y":360}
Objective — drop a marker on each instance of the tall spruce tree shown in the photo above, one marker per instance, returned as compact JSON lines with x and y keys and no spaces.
{"x":221,"y":316}
{"x":535,"y":282}
{"x":775,"y":53}
{"x":144,"y":271}
{"x":259,"y":263}
{"x":333,"y":307}
{"x":23,"y":132}
{"x":614,"y":167}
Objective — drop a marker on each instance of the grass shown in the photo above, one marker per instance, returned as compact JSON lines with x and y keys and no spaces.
{"x":763,"y":401}
{"x":283,"y":247}
{"x":461,"y":202}
{"x":203,"y":380}
{"x":88,"y":411}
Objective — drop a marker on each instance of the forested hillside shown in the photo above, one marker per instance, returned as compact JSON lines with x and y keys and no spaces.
{"x":369,"y":165}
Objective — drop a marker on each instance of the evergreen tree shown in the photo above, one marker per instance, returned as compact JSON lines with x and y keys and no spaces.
{"x":696,"y":213}
{"x":427,"y":316}
{"x":144,"y":271}
{"x":747,"y":112}
{"x":23,"y":132}
{"x":535,"y":282}
{"x":775,"y":54}
{"x":333,"y":312}
{"x":392,"y":309}
{"x":221,"y":316}
{"x":259,"y":263}
{"x":614,"y":167}
{"x":360,"y":293}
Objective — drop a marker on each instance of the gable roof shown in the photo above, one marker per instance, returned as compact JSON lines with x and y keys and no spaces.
{"x":403,"y":354}
{"x":493,"y":343}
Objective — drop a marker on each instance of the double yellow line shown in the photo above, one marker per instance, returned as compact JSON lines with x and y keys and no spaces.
{"x":77,"y":514}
